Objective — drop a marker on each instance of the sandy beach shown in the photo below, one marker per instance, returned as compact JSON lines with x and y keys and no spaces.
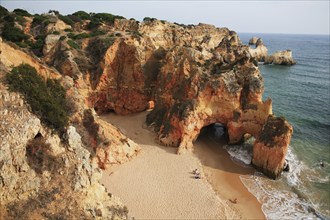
{"x":159,"y":184}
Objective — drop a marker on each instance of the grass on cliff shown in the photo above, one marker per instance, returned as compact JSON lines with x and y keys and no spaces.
{"x":46,"y":98}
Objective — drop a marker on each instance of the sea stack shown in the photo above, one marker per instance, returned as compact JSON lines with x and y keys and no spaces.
{"x":281,"y":58}
{"x":253,"y":41}
{"x":271,"y":146}
{"x":260,"y":52}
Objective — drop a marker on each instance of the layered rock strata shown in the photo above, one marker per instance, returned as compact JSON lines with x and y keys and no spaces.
{"x":41,"y":177}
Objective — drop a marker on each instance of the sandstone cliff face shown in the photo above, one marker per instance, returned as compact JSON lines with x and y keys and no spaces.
{"x":130,"y":67}
{"x":195,"y":76}
{"x":40,"y":176}
{"x":228,"y":91}
{"x":10,"y":57}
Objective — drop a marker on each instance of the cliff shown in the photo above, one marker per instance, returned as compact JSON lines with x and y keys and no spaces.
{"x":42,"y":177}
{"x":193,"y":75}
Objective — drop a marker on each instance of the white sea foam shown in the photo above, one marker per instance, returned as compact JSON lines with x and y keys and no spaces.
{"x":240,"y":153}
{"x":277,"y":204}
{"x":277,"y":198}
{"x":296,"y":167}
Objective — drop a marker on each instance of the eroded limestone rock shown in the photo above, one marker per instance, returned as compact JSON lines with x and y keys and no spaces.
{"x":42,"y":177}
{"x":271,"y":146}
{"x":253,"y":41}
{"x":281,"y":58}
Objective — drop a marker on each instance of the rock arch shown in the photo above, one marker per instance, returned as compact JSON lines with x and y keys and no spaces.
{"x":195,"y":99}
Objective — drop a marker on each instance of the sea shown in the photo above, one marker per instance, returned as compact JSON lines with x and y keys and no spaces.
{"x":300,"y":93}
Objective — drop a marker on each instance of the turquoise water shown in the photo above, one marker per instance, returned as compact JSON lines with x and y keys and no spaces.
{"x":300,"y":93}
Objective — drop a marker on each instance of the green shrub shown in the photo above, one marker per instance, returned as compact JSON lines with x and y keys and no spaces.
{"x":81,"y":36}
{"x":73,"y":44}
{"x":3,"y":11}
{"x":97,"y":33}
{"x":20,"y":19}
{"x":9,"y":18}
{"x":93,"y":24}
{"x":22,"y":44}
{"x":56,"y":32}
{"x":104,"y":17}
{"x":71,"y":35}
{"x":149,"y":19}
{"x":74,"y":18}
{"x":66,"y":19}
{"x":46,"y":98}
{"x":22,"y":12}
{"x":54,"y":11}
{"x":82,"y":14}
{"x":38,"y":45}
{"x":38,"y":19}
{"x":62,"y":38}
{"x":13,"y":34}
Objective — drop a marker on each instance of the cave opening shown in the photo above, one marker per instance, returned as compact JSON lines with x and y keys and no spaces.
{"x":215,"y":132}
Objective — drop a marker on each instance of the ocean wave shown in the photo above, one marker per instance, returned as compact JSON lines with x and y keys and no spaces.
{"x":296,"y":167}
{"x":240,"y":153}
{"x":278,"y":204}
{"x":287,"y":198}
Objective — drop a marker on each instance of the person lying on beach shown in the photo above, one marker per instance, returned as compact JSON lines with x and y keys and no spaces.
{"x":233,"y":200}
{"x":197,"y":176}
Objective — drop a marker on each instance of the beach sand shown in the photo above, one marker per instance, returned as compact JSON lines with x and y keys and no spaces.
{"x":159,"y":184}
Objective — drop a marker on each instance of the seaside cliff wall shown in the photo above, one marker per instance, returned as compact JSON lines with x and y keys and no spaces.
{"x":196,"y":75}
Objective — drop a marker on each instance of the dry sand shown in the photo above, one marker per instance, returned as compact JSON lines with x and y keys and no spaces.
{"x":159,"y":184}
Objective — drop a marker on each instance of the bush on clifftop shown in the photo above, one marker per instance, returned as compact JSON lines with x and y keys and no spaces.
{"x":46,"y":98}
{"x":13,"y":34}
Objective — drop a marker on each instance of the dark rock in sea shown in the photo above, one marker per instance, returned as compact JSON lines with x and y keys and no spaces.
{"x":286,"y":167}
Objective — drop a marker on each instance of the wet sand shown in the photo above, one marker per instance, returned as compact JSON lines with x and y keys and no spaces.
{"x":224,"y":175}
{"x":159,"y":184}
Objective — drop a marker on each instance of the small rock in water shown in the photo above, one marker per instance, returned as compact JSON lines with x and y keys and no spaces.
{"x":286,"y":166}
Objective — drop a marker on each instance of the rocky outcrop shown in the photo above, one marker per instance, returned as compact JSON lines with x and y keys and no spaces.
{"x":253,"y":41}
{"x":57,"y":26}
{"x":226,"y":89}
{"x":110,"y":145}
{"x":260,"y":52}
{"x":271,"y":146}
{"x":42,"y":177}
{"x":127,"y":78}
{"x":11,"y":57}
{"x":194,"y":75}
{"x":281,"y":58}
{"x":50,"y":42}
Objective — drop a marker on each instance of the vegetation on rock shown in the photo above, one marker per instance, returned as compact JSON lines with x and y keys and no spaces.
{"x":46,"y":98}
{"x":13,"y":34}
